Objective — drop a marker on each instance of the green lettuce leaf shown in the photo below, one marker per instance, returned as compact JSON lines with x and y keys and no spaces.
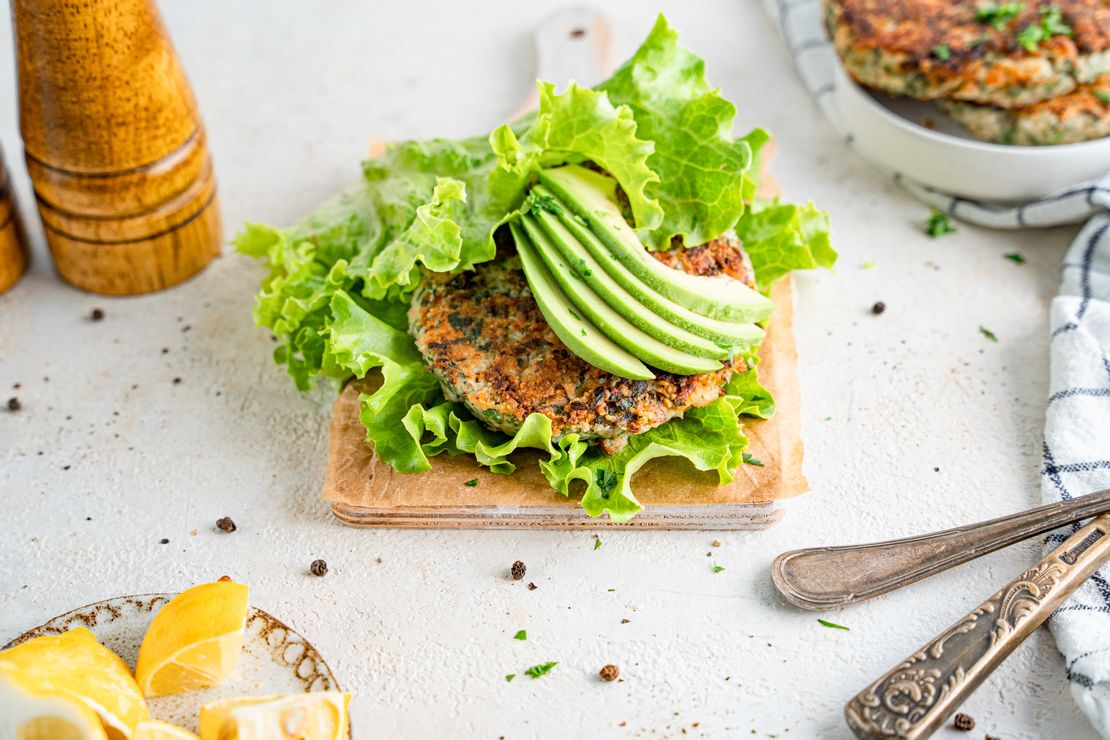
{"x":700,"y":164}
{"x":782,"y":237}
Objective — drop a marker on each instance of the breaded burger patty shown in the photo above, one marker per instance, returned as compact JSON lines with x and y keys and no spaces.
{"x":484,"y":337}
{"x":1078,"y":116}
{"x":930,"y":49}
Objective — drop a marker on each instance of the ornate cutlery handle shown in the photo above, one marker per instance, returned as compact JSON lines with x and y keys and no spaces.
{"x":829,"y":577}
{"x":917,"y":696}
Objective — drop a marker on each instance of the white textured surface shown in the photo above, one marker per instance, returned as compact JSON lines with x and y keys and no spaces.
{"x":424,"y":638}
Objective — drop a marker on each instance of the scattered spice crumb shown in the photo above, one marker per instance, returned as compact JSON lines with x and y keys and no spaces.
{"x":878,"y":308}
{"x":963,"y":722}
{"x":577,"y":33}
{"x":473,"y":482}
{"x":193,"y":533}
{"x":97,"y":314}
{"x":624,"y":723}
{"x":164,"y":541}
{"x":936,"y":470}
{"x":186,"y":328}
{"x":177,"y":381}
{"x":14,"y":404}
{"x":532,"y":586}
{"x":226,"y":524}
{"x":165,"y":350}
{"x":66,"y":467}
{"x":988,"y":333}
{"x":831,"y":625}
{"x":318,"y":568}
{"x":521,"y":635}
{"x":609,"y":673}
{"x":518,"y":570}
{"x":718,"y":568}
{"x":625,"y":621}
{"x":716,"y":543}
{"x":379,"y":560}
{"x":1016,"y":258}
{"x":992,"y":737}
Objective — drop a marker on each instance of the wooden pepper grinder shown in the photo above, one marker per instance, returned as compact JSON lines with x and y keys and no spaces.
{"x":114,"y":145}
{"x":13,"y":254}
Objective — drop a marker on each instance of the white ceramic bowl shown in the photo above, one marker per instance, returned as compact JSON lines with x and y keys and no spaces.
{"x":890,"y":133}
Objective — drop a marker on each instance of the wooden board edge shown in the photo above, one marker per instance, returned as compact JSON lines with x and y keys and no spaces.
{"x":718,"y":517}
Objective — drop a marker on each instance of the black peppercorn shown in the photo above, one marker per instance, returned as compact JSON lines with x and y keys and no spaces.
{"x":518,"y":570}
{"x":963,"y":722}
{"x":878,"y":308}
{"x":532,"y":587}
{"x":14,"y":404}
{"x":164,"y":541}
{"x":97,"y":314}
{"x":609,"y":673}
{"x":225,"y":524}
{"x":318,"y":568}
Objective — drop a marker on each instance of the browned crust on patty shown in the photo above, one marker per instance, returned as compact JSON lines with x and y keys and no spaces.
{"x":892,"y":45}
{"x":484,"y":337}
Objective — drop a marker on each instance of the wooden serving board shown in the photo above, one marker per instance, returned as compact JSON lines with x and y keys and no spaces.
{"x":365,"y":492}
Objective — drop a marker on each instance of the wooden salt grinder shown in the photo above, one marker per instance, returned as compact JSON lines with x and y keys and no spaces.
{"x":13,"y":254}
{"x":114,"y":145}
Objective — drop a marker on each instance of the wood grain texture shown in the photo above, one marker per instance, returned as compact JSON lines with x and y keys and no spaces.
{"x":13,"y":250}
{"x":114,"y":145}
{"x":366,"y":492}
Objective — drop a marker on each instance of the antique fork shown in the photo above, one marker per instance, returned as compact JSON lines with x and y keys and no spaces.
{"x":917,"y":696}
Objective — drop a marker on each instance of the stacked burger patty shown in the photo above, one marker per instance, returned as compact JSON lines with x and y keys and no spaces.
{"x":1025,"y":73}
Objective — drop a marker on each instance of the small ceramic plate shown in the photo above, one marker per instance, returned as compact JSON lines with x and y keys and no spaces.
{"x":275,"y":659}
{"x":891,"y":134}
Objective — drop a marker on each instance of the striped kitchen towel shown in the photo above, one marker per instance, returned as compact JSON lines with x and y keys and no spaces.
{"x":1077,"y":426}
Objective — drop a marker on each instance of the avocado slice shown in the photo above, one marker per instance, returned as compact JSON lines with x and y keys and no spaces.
{"x":592,"y":197}
{"x":612,"y":324}
{"x":723,"y":333}
{"x":580,"y":336}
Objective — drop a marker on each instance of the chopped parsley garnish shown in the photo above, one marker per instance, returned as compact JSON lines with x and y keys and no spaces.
{"x":1051,"y":24}
{"x":537,"y":204}
{"x":597,"y":542}
{"x":573,"y":314}
{"x":606,"y":480}
{"x":1016,"y":258}
{"x":718,"y":568}
{"x":942,"y":52}
{"x":472,"y":482}
{"x":988,"y":333}
{"x":522,"y":635}
{"x":749,"y":460}
{"x":938,"y":224}
{"x":1103,"y":96}
{"x":999,"y":15}
{"x":612,"y":590}
{"x":583,"y":332}
{"x":831,"y":625}
{"x":542,"y":669}
{"x":510,"y":676}
{"x":580,"y":268}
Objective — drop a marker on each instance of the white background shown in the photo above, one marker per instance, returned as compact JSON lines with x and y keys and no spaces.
{"x":291,"y":91}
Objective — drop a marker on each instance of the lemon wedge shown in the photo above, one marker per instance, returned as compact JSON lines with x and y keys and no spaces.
{"x":320,"y":715}
{"x":29,"y":714}
{"x":194,"y":641}
{"x":76,"y":665}
{"x":153,"y":730}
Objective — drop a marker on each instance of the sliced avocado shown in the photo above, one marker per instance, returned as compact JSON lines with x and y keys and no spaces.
{"x":612,"y":324}
{"x":586,"y":269}
{"x":580,"y":336}
{"x":591,"y":197}
{"x":724,"y":333}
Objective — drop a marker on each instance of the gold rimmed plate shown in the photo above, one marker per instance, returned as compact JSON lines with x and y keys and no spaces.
{"x":275,"y":660}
